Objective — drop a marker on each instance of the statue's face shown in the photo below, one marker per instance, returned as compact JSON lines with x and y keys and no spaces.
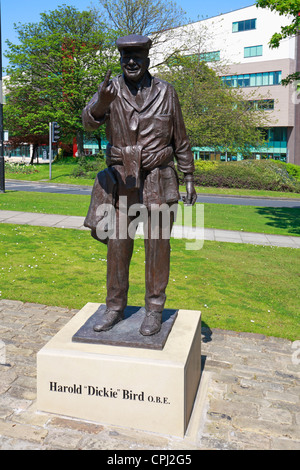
{"x":134,"y":63}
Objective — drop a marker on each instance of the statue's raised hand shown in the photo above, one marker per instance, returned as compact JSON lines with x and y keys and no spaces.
{"x":106,"y":95}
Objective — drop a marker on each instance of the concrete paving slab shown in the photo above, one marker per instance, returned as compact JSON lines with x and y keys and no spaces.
{"x":248,"y":397}
{"x":209,"y":234}
{"x":49,"y":220}
{"x":276,"y":238}
{"x":296,"y":240}
{"x":280,"y":240}
{"x":24,"y":218}
{"x":179,"y":231}
{"x":9,"y":214}
{"x":228,"y":239}
{"x":254,"y":236}
{"x":71,"y":222}
{"x":285,"y":244}
{"x":257,"y":242}
{"x":225,"y":233}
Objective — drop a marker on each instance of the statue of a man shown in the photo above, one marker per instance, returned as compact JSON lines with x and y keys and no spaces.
{"x":146,"y":132}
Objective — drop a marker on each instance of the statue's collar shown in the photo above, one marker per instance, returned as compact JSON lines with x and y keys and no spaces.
{"x":129,"y":97}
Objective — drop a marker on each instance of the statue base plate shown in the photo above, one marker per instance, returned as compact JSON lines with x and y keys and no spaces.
{"x":126,"y":332}
{"x":135,"y":387}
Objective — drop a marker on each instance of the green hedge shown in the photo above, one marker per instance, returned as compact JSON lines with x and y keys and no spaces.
{"x":249,"y":174}
{"x":20,"y":168}
{"x":268,"y":175}
{"x":88,"y":167}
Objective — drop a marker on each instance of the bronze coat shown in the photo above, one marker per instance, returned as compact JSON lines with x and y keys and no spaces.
{"x":153,"y":132}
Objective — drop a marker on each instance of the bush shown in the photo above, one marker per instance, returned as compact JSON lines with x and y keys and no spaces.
{"x":20,"y":168}
{"x":293,"y":170}
{"x":88,"y":167}
{"x":248,"y":174}
{"x":201,"y":165}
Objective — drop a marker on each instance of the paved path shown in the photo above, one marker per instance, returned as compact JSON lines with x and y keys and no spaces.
{"x":51,"y":187}
{"x":249,"y":394}
{"x":63,"y":221}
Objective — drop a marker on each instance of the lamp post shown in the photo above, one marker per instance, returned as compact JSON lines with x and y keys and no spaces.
{"x":2,"y":164}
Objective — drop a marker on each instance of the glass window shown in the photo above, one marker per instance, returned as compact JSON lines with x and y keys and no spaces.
{"x":268,"y":104}
{"x":247,"y":52}
{"x":265,"y":80}
{"x":258,"y":79}
{"x":241,"y":25}
{"x":259,"y":50}
{"x":264,"y":133}
{"x":246,"y":80}
{"x":228,"y":81}
{"x":245,"y":25}
{"x":284,"y":134}
{"x":253,"y":51}
{"x":253,"y":79}
{"x":210,"y":56}
{"x":277,"y":80}
{"x":261,"y":104}
{"x":278,"y":134}
{"x":240,"y":80}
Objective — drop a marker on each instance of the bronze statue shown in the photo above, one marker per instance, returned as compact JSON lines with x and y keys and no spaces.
{"x":145,"y":131}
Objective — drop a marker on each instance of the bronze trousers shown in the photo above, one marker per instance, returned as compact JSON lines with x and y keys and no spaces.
{"x":157,"y":230}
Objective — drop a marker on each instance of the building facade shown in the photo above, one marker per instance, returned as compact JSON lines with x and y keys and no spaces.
{"x":236,"y":45}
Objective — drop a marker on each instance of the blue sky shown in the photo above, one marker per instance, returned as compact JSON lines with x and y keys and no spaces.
{"x":25,"y":11}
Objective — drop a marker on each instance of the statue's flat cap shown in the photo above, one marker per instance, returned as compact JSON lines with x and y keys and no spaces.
{"x":135,"y":41}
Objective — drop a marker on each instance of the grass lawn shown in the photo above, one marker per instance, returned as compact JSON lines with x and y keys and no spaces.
{"x":273,"y":220}
{"x":201,"y":190}
{"x":62,"y":173}
{"x":45,"y":203}
{"x":280,"y":221}
{"x":237,"y":287}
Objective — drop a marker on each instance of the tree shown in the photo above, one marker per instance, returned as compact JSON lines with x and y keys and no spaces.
{"x":145,"y":17}
{"x":284,"y":7}
{"x":54,"y":70}
{"x":215,"y":115}
{"x":158,"y":19}
{"x":35,"y":140}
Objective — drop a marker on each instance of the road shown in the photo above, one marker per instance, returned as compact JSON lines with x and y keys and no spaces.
{"x":14,"y":185}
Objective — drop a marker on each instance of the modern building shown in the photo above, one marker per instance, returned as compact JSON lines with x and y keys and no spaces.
{"x":236,"y":44}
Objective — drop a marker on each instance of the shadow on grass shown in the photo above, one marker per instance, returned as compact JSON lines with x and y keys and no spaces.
{"x":282,"y":217}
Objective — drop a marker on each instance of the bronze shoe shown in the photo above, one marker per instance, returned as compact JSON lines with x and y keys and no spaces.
{"x":151,"y":324}
{"x":108,"y":320}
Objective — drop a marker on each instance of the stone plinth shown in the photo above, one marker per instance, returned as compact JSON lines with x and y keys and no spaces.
{"x":141,"y":388}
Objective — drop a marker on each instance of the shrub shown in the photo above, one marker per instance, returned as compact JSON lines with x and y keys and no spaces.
{"x":88,"y":167}
{"x":293,"y":170}
{"x":20,"y":168}
{"x":208,"y":165}
{"x":249,"y":174}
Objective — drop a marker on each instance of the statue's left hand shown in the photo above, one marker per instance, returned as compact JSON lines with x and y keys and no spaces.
{"x":191,"y":195}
